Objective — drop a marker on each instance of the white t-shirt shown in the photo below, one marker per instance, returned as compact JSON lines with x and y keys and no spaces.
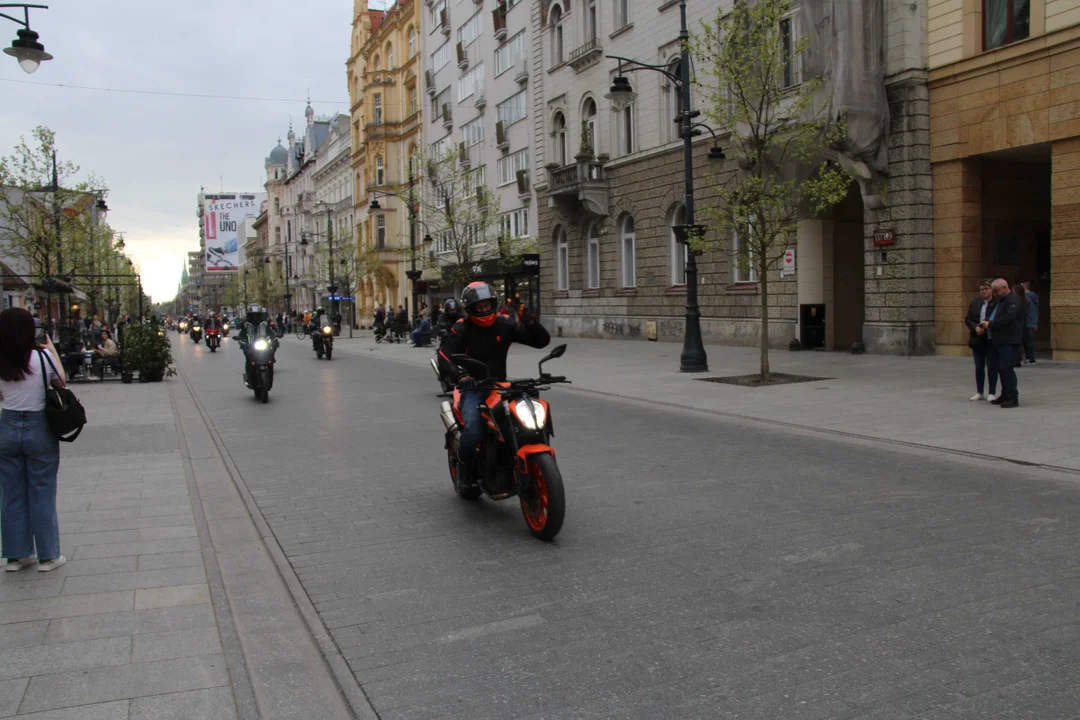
{"x":28,"y":393}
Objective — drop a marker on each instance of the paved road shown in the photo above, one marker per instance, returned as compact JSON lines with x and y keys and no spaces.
{"x":707,"y":569}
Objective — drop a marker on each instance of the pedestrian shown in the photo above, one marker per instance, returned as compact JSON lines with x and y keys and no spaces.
{"x":1005,"y":328}
{"x":1031,"y":323}
{"x":985,"y":358}
{"x":29,"y":452}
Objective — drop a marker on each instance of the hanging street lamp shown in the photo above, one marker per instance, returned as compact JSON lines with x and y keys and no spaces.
{"x":25,"y":47}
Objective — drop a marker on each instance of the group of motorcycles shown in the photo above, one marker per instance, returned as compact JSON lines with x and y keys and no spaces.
{"x":194,"y":328}
{"x":515,"y":458}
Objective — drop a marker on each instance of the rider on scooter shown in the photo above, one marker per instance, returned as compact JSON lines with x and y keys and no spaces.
{"x":485,"y":336}
{"x":255,"y":326}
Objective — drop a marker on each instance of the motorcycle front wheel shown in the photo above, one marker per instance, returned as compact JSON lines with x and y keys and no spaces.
{"x":318,"y":354}
{"x":329,"y":352}
{"x":543,"y":501}
{"x":264,"y":385}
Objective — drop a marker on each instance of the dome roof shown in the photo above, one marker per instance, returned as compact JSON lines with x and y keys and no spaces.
{"x":278,"y":156}
{"x":334,"y":124}
{"x":308,"y":111}
{"x":291,"y":135}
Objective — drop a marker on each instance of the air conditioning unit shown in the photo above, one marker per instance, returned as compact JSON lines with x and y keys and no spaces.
{"x":463,"y":155}
{"x":447,"y":119}
{"x":522,"y":73}
{"x":523,"y":185}
{"x":462,"y":57}
{"x":481,"y":102}
{"x":429,"y":82}
{"x":444,"y":21}
{"x":500,"y":137}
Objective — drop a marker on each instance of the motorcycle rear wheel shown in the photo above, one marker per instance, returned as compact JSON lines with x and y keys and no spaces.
{"x":543,"y":502}
{"x":469,"y":493}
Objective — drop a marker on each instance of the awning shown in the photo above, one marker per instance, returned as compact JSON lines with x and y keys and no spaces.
{"x":11,"y":280}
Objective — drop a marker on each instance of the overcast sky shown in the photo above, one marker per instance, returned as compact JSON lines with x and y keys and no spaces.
{"x":155,"y":151}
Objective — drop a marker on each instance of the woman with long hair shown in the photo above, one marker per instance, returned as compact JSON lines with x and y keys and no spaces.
{"x":29,"y":452}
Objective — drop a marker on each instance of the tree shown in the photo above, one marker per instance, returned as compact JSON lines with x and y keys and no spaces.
{"x":780,"y":138}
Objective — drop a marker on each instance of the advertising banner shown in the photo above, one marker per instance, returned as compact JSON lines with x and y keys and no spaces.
{"x":222,"y":215}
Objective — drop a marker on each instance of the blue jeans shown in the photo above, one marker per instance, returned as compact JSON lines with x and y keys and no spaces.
{"x":29,"y":461}
{"x":985,"y":360}
{"x":1029,"y":343}
{"x":473,"y":432}
{"x":1006,"y":357}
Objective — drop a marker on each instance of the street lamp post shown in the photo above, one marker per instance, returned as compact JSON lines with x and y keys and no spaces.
{"x":693,"y":357}
{"x":25,"y":48}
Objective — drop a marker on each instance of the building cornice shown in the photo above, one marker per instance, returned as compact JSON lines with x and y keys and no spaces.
{"x":1018,"y":53}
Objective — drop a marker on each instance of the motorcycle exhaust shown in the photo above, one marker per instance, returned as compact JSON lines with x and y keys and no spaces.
{"x":435,"y":367}
{"x":446,"y":414}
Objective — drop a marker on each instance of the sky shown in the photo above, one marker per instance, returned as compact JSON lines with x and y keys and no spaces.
{"x":154,"y":152}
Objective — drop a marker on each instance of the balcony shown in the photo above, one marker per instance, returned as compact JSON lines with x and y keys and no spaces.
{"x":385,"y":129}
{"x":582,"y":187}
{"x":377,"y":77}
{"x":586,"y":55}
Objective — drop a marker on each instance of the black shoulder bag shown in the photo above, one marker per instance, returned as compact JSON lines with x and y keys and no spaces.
{"x":63,"y":410}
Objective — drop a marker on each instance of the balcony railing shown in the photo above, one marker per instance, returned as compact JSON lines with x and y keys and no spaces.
{"x":585,"y":55}
{"x":582,"y":186}
{"x":569,"y":177}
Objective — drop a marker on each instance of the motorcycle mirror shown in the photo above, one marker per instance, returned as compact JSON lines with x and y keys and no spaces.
{"x":556,"y":352}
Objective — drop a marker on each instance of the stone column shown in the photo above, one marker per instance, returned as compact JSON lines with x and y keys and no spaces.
{"x":957,"y":248}
{"x":1064,"y":306}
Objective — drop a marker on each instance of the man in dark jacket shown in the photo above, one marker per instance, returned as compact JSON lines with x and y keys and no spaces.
{"x":985,"y":357}
{"x":1005,"y":328}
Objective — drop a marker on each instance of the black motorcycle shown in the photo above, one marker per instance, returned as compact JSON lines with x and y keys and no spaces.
{"x":446,"y":384}
{"x":196,"y":334}
{"x":259,"y":366}
{"x":323,"y":340}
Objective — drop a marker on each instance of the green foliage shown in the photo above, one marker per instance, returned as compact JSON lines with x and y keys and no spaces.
{"x":147,"y":350}
{"x":779,"y":134}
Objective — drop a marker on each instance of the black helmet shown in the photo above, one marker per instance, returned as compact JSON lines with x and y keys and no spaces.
{"x":320,"y":310}
{"x":475,"y":293}
{"x":451,"y":307}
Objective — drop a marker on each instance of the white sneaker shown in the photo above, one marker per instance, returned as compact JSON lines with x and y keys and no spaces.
{"x":977,"y":396}
{"x":50,"y":565}
{"x":15,"y":565}
{"x":992,"y":398}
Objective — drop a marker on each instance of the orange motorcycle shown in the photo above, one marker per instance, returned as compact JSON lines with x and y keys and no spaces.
{"x":515,"y":458}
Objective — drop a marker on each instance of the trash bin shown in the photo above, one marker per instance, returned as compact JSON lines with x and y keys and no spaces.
{"x":812,"y":325}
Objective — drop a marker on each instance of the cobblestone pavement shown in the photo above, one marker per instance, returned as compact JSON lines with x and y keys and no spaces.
{"x":708,"y":568}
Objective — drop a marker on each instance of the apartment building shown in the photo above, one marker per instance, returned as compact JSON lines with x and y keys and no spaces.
{"x":1005,"y":148}
{"x":612,"y":188}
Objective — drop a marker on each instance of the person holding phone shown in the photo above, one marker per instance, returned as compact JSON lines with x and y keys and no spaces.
{"x":29,"y":452}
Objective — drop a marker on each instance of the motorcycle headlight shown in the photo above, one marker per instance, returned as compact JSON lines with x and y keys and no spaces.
{"x":532,"y":414}
{"x":225,"y":326}
{"x":196,"y":328}
{"x":261,"y":345}
{"x":327,"y":330}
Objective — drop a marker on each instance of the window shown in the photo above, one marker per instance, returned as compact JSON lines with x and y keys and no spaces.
{"x":789,"y":63}
{"x":377,"y":114}
{"x":379,"y":170}
{"x":477,"y":179}
{"x":592,"y":255}
{"x":512,"y":109}
{"x":588,"y":112}
{"x":378,"y":63}
{"x":560,"y":139}
{"x":436,"y":15}
{"x":508,"y":167}
{"x":471,"y":30}
{"x":562,"y":261}
{"x":277,"y":236}
{"x":556,"y":24}
{"x":622,"y":13}
{"x":742,"y":259}
{"x":412,"y":43}
{"x":439,"y":148}
{"x":473,"y":132}
{"x":413,"y":106}
{"x":678,"y":249}
{"x":380,"y":231}
{"x":1006,"y":21}
{"x":440,"y":57}
{"x":277,"y":206}
{"x":507,"y":54}
{"x":590,"y":21}
{"x":515,"y":224}
{"x":412,"y":161}
{"x":438,"y":101}
{"x":389,"y":57}
{"x":626,"y":130}
{"x":471,"y":82}
{"x":629,"y":252}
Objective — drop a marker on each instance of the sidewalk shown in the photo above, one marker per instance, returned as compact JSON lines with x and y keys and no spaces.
{"x":914,"y":400}
{"x":170,"y":605}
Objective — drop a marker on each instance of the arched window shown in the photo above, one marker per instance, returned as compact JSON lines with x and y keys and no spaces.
{"x":562,"y":260}
{"x":379,"y":170}
{"x":378,"y":63}
{"x":588,"y":114}
{"x":673,"y":102}
{"x":412,"y":42}
{"x":389,"y":56}
{"x":556,"y":25}
{"x":559,"y":135}
{"x":592,"y":256}
{"x":678,"y":249}
{"x":629,"y":251}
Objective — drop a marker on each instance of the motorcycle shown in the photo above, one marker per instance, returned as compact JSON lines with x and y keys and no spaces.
{"x":323,"y":340}
{"x":181,"y":327}
{"x":213,"y":339}
{"x":196,"y":333}
{"x":225,"y":330}
{"x":515,"y":458}
{"x":259,"y":366}
{"x":446,"y":384}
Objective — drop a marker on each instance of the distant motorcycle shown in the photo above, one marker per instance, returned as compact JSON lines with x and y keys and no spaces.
{"x":182,"y":327}
{"x":213,"y":339}
{"x":323,"y":340}
{"x":225,"y":330}
{"x":196,"y":334}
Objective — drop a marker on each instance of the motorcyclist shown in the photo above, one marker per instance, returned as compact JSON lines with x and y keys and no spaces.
{"x":451,"y":313}
{"x":484,"y":335}
{"x":256,"y":325}
{"x":318,"y":322}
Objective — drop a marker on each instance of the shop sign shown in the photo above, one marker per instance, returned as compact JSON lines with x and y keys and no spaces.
{"x":884,"y":236}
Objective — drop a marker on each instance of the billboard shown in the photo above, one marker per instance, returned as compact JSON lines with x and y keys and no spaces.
{"x":222,"y":215}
